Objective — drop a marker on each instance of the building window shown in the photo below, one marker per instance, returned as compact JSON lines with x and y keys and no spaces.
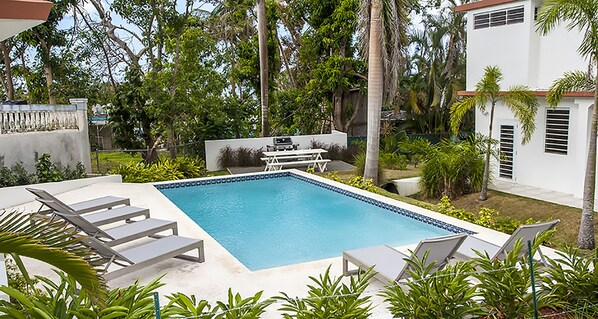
{"x":557,"y":131}
{"x":498,"y":18}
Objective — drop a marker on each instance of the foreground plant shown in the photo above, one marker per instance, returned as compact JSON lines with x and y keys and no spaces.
{"x":50,"y":242}
{"x":445,"y":293}
{"x":506,"y":285}
{"x":572,"y":279}
{"x":329,"y":298}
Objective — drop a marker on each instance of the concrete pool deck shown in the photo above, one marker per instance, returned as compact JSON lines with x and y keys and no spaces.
{"x":221,"y":270}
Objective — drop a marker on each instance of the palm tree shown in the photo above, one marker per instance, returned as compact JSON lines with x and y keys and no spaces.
{"x":263,"y":48}
{"x":583,"y":15}
{"x":519,"y":99}
{"x":52,"y":243}
{"x":383,"y":27}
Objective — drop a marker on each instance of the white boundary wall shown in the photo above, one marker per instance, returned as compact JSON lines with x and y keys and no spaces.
{"x":17,"y":195}
{"x":3,"y":277}
{"x":214,"y":147}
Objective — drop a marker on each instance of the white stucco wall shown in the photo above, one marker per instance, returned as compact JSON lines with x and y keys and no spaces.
{"x":531,"y":164}
{"x":524,"y":56}
{"x":214,"y":147}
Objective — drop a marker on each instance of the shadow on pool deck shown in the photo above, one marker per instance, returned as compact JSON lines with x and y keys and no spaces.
{"x":338,"y":166}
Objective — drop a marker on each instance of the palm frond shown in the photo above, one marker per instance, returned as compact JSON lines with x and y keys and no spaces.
{"x":571,"y":81}
{"x":524,"y":105}
{"x":458,"y":110}
{"x":578,"y":14}
{"x":53,"y":243}
{"x":489,"y":84}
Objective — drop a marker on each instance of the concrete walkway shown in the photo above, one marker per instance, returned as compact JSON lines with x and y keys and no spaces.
{"x":537,"y":193}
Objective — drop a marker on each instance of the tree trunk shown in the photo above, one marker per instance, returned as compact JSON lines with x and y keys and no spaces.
{"x":337,"y":102}
{"x":48,"y":72}
{"x":9,"y":86}
{"x":486,"y":178}
{"x":585,"y":240}
{"x":375,"y":96}
{"x":263,"y":47}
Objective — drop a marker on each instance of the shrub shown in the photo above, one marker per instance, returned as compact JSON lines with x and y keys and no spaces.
{"x":393,"y":161}
{"x":47,"y":171}
{"x":329,"y":298}
{"x":486,"y":217}
{"x":360,"y":166}
{"x":447,"y":293}
{"x":337,"y":152}
{"x":240,"y":157}
{"x":450,"y":169}
{"x":505,"y":284}
{"x":573,"y":279}
{"x":163,"y":170}
{"x":356,"y":181}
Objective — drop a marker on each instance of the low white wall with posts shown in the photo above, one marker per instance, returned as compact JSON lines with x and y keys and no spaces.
{"x":214,"y":147}
{"x":58,"y":130}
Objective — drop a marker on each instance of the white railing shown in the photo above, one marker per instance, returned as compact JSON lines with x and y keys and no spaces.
{"x":34,"y":118}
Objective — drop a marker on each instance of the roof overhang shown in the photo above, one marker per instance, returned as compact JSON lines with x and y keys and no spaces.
{"x":538,"y":93}
{"x":19,"y":15}
{"x":481,"y":4}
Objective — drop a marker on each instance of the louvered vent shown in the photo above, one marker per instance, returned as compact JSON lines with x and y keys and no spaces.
{"x":506,"y":151}
{"x":498,"y":18}
{"x":557,"y":131}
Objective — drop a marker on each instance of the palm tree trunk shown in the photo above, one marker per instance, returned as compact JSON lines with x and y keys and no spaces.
{"x":585,"y":240}
{"x":375,"y":87}
{"x":263,"y":47}
{"x":486,"y":178}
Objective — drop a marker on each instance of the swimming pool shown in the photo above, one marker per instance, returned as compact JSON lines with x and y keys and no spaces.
{"x":278,"y":219}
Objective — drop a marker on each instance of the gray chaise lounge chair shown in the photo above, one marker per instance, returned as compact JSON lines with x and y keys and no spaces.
{"x":117,"y":235}
{"x":97,"y":218}
{"x":525,"y":232}
{"x":146,"y":254}
{"x":106,"y":202}
{"x":390,"y":264}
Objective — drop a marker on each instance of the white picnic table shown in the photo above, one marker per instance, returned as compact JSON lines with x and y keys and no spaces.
{"x":276,"y":160}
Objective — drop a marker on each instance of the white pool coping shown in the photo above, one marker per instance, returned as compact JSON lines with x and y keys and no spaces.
{"x":210,"y":280}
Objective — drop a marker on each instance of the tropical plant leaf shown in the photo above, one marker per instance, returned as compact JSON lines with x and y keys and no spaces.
{"x":53,"y":243}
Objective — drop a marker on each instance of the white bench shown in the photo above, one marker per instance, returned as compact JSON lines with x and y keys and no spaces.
{"x":321,"y":163}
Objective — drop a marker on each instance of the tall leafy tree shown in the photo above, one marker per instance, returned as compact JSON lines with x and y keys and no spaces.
{"x":581,"y":15}
{"x":519,"y":99}
{"x":383,"y":26}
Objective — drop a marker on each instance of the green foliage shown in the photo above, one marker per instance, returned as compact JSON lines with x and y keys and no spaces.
{"x":446,"y":293}
{"x":450,"y":169}
{"x":572,"y":278}
{"x":393,"y":161}
{"x":46,"y":170}
{"x":163,"y":170}
{"x":236,"y":307}
{"x":486,"y":217}
{"x":16,"y":175}
{"x":330,"y":298}
{"x":359,"y":164}
{"x":505,"y":284}
{"x":355,"y":181}
{"x":181,"y":305}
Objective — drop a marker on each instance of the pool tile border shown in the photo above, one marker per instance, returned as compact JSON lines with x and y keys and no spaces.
{"x":369,"y":200}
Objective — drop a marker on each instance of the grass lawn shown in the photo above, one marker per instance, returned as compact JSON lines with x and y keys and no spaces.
{"x":108,"y":160}
{"x":523,"y":208}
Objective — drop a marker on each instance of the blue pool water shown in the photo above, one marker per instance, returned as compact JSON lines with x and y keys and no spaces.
{"x":285,"y":220}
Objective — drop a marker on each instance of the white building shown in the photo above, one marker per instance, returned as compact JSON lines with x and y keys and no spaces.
{"x":503,"y":33}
